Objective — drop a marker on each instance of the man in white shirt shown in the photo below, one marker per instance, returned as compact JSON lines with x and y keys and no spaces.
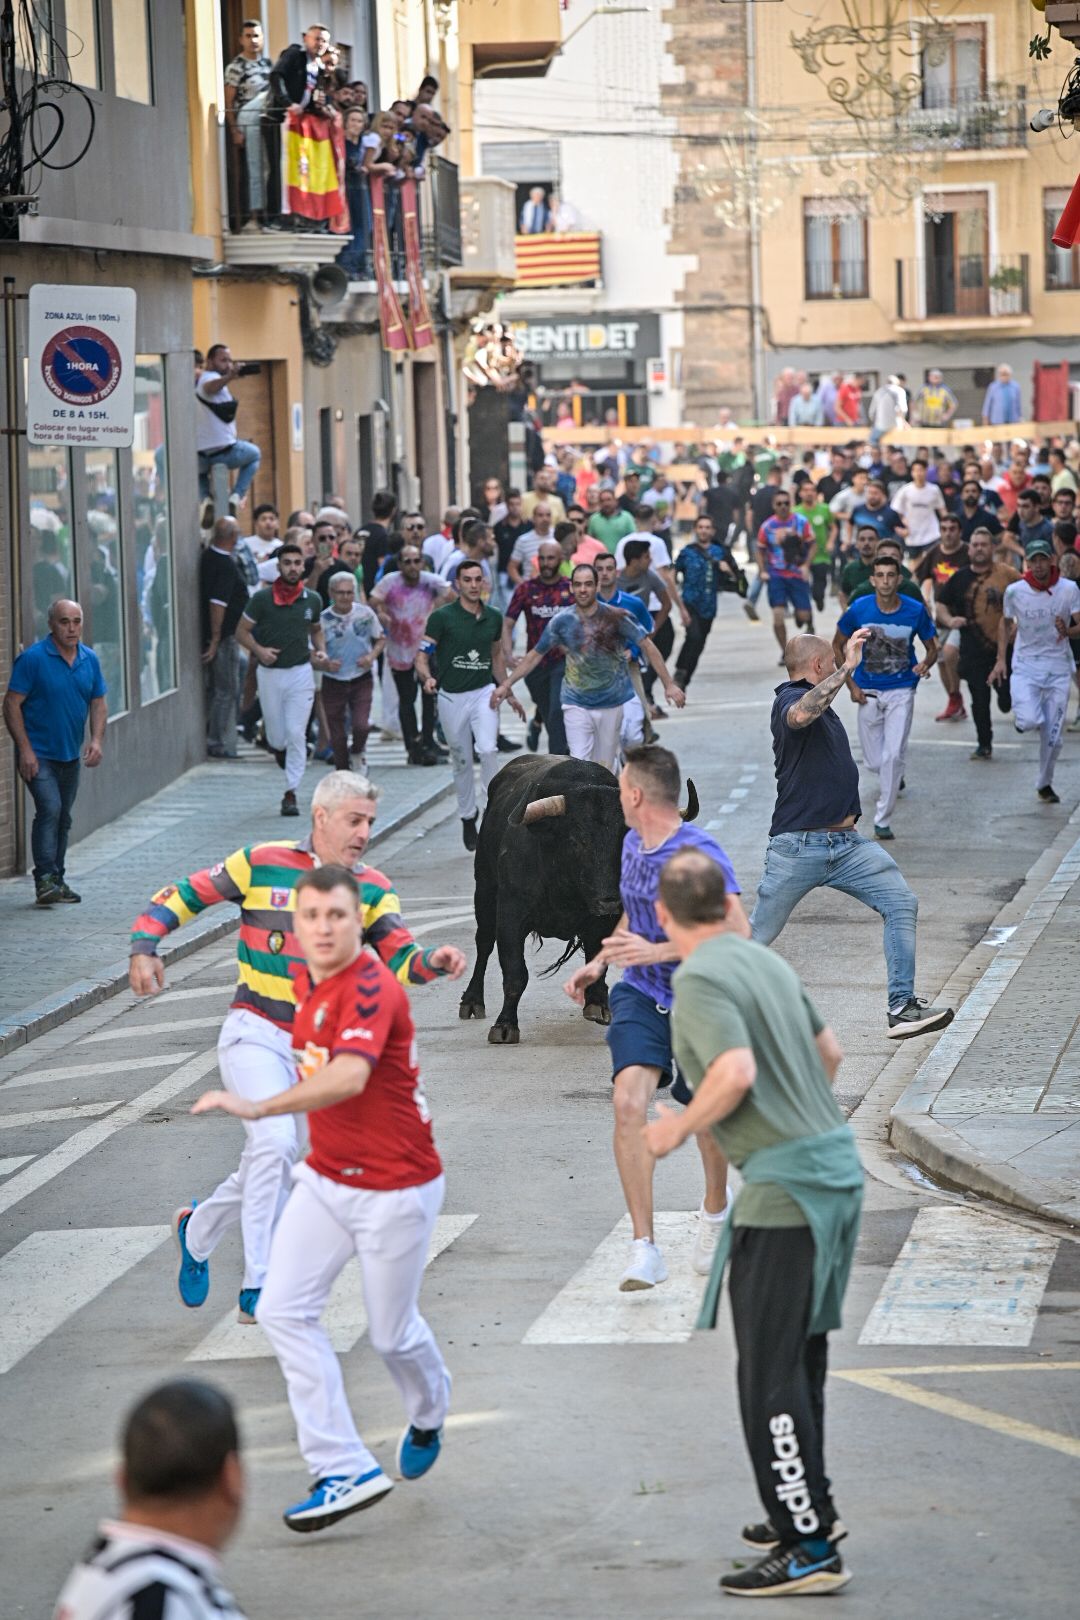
{"x":215,"y":431}
{"x":1043,"y":611}
{"x":264,"y":538}
{"x":921,"y":505}
{"x":183,"y":1491}
{"x":527,"y":545}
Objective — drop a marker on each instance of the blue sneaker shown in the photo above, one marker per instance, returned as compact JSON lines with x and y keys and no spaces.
{"x":249,"y":1298}
{"x":336,"y":1497}
{"x":194,"y":1279}
{"x":418,"y":1450}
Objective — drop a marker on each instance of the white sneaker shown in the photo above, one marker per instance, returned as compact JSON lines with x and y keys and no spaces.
{"x":707,"y":1237}
{"x":646,"y":1267}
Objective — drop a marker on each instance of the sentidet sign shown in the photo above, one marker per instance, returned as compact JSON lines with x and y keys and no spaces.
{"x":81,"y":375}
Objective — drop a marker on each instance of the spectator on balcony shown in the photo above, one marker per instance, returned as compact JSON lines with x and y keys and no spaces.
{"x":535,"y":213}
{"x":215,"y":431}
{"x":1002,"y":402}
{"x":430,"y":129}
{"x":934,"y":405}
{"x":253,"y":137}
{"x":353,"y":258}
{"x":302,"y":79}
{"x":563,"y":218}
{"x":805,"y":409}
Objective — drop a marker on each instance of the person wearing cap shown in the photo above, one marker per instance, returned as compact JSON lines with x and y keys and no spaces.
{"x":1040,"y":616}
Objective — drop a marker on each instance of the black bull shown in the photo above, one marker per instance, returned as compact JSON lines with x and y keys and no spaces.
{"x":547,"y":863}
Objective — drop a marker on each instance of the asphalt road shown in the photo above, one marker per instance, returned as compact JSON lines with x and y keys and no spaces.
{"x":593,"y":1463}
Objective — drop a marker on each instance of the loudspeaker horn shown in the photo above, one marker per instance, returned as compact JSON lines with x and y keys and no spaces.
{"x":329,"y":285}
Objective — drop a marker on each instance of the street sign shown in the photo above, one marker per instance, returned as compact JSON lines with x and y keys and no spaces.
{"x":81,"y":375}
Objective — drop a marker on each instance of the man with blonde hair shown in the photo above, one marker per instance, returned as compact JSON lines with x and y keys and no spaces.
{"x":255,"y":1048}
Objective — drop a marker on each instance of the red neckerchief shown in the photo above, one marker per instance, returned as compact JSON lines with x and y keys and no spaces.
{"x":286,"y":595}
{"x":1050,"y":583}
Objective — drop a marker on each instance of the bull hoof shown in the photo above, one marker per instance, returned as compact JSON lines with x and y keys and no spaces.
{"x":596,"y":1014}
{"x":503,"y":1035}
{"x":471,"y":1009}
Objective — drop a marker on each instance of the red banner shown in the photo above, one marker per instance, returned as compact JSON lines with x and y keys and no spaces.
{"x":395,"y":331}
{"x":419,"y":314}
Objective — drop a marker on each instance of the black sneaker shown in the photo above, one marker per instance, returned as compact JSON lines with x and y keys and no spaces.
{"x":789,"y":1570}
{"x":468,"y":832}
{"x":532,"y":736}
{"x":982,"y":753}
{"x":917,"y":1018}
{"x":764,"y":1537}
{"x":505,"y":746}
{"x":68,"y":897}
{"x":47,"y":890}
{"x":289,"y":806}
{"x":1048,"y":796}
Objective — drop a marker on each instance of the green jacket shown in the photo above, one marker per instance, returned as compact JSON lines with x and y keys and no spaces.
{"x":824,"y":1177}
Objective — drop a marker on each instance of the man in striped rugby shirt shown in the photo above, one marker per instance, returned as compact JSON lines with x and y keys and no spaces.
{"x":255,"y":1048}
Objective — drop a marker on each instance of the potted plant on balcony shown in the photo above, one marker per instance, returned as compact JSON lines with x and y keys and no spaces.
{"x":1006,"y":285}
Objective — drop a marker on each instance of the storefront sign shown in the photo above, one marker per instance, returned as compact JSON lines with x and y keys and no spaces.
{"x":81,"y":375}
{"x":616,"y":337}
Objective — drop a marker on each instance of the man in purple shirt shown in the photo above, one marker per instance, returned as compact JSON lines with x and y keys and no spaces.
{"x":784,"y":544}
{"x":640,"y":1034}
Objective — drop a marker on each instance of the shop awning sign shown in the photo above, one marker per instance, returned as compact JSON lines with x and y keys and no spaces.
{"x":81,"y":374}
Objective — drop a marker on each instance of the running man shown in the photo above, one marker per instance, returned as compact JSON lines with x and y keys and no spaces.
{"x":640,"y":1032}
{"x":466,"y":635}
{"x":760,"y":1061}
{"x":596,"y":685}
{"x":371,"y":1185}
{"x":255,"y":1046}
{"x":886,"y":678}
{"x":813,"y":843}
{"x":1042,"y":612}
{"x":539,"y":599}
{"x":784,"y":543}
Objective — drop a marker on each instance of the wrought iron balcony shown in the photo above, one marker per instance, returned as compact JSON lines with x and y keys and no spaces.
{"x":968,"y":286}
{"x":994,"y":119}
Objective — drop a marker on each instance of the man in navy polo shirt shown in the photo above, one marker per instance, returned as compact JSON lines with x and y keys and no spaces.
{"x":54,"y":686}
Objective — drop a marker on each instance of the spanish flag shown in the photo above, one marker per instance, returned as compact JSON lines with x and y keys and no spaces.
{"x":312,"y":172}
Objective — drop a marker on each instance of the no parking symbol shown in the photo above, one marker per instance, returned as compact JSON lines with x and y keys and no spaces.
{"x":81,"y":382}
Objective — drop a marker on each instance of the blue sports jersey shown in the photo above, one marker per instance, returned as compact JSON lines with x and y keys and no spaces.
{"x":639,"y":885}
{"x":888,"y":659}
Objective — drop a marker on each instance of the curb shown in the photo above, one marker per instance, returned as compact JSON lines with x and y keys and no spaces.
{"x":912,"y":1129}
{"x":25,"y":1025}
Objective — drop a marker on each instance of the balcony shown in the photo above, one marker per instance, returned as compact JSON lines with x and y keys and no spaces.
{"x":986,"y":121}
{"x":487,"y":244}
{"x":549,"y":260}
{"x":510,"y":39}
{"x":963,"y":293}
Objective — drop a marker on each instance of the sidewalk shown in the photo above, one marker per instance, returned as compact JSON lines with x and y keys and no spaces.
{"x":995,"y":1107}
{"x":59,"y":961}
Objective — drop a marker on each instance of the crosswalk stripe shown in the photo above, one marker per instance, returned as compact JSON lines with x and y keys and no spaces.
{"x":169,"y":1027}
{"x":83,"y":1071}
{"x":13,"y":1163}
{"x":962,"y":1277}
{"x":49,"y":1116}
{"x":591,"y":1310}
{"x":226,"y":987}
{"x":50,"y":1275}
{"x":345,"y":1319}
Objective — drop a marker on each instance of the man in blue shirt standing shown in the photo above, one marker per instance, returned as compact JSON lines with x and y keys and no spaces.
{"x":1001,"y":403}
{"x":883,"y":684}
{"x":55,"y":684}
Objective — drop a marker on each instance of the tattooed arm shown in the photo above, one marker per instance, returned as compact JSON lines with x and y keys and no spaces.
{"x":814,"y":703}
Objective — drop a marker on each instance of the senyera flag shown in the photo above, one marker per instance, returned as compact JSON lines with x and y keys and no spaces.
{"x":395,"y":331}
{"x":419,"y":314}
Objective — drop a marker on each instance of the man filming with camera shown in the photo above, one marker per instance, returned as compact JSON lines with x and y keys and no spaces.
{"x":215,"y":435}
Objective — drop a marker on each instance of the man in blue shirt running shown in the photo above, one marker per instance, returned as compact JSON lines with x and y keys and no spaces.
{"x":883,"y":684}
{"x":54,"y":686}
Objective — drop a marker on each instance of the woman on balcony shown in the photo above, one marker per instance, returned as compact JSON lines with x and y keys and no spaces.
{"x":354,"y":256}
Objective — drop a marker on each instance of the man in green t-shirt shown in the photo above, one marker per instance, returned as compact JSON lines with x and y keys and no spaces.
{"x":466,"y":636}
{"x":855,"y":575}
{"x":823,"y":527}
{"x":280,"y":627}
{"x":760,"y":1061}
{"x":611,"y":524}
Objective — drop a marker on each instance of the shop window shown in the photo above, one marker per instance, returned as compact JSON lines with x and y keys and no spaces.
{"x":81,"y":42}
{"x":153,"y":538}
{"x":103,"y":603}
{"x":131,"y":50}
{"x":52,"y":545}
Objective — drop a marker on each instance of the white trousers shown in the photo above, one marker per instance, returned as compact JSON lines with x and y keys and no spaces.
{"x":1039,"y":704}
{"x":256,"y":1061}
{"x":593,"y":733}
{"x":325,"y":1223}
{"x":467,"y":717}
{"x":632,"y":724}
{"x":286,"y":696}
{"x":388,"y":694}
{"x":884,"y":723}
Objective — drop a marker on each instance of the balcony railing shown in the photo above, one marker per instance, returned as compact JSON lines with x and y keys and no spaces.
{"x":550,"y":260}
{"x":994,"y":119}
{"x":835,"y":278}
{"x":441,"y":211}
{"x":969,"y":285}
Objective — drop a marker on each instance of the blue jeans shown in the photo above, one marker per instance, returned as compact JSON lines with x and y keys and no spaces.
{"x":53,"y":791}
{"x":240,"y":455}
{"x":797,"y":862}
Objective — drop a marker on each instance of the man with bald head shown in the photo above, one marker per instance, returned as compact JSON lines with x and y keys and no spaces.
{"x":539,"y":598}
{"x":813,"y":842}
{"x":55,"y":686}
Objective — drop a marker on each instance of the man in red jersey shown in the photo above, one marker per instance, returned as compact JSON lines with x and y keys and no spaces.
{"x":371,"y":1185}
{"x":255,"y":1048}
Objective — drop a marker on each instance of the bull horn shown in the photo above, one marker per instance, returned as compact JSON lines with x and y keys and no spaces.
{"x":692,"y":806}
{"x":539,"y":808}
